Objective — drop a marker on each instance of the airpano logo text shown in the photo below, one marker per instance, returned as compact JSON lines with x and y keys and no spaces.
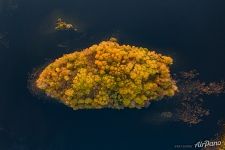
{"x":200,"y":144}
{"x":207,"y":143}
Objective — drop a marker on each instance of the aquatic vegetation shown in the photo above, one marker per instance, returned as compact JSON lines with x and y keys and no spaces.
{"x":191,"y":113}
{"x":62,"y":25}
{"x":108,"y":75}
{"x":190,"y":108}
{"x":188,"y":105}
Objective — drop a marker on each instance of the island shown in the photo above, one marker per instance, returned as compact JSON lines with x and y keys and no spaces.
{"x":108,"y":75}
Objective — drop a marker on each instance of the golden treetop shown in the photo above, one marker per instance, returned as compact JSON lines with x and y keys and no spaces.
{"x":108,"y":75}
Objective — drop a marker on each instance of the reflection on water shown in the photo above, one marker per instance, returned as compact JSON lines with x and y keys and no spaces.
{"x":159,"y":118}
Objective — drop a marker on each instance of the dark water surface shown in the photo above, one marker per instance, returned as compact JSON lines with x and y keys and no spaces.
{"x":191,"y":31}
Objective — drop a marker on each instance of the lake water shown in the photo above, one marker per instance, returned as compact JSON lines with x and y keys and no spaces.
{"x":192,"y":32}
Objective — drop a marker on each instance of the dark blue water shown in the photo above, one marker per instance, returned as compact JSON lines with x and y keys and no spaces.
{"x":192,"y":32}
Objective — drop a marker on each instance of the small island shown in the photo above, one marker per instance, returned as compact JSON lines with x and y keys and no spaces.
{"x":108,"y":75}
{"x":61,"y":25}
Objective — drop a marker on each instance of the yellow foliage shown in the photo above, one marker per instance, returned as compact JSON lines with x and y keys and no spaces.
{"x":62,"y":25}
{"x":108,"y":75}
